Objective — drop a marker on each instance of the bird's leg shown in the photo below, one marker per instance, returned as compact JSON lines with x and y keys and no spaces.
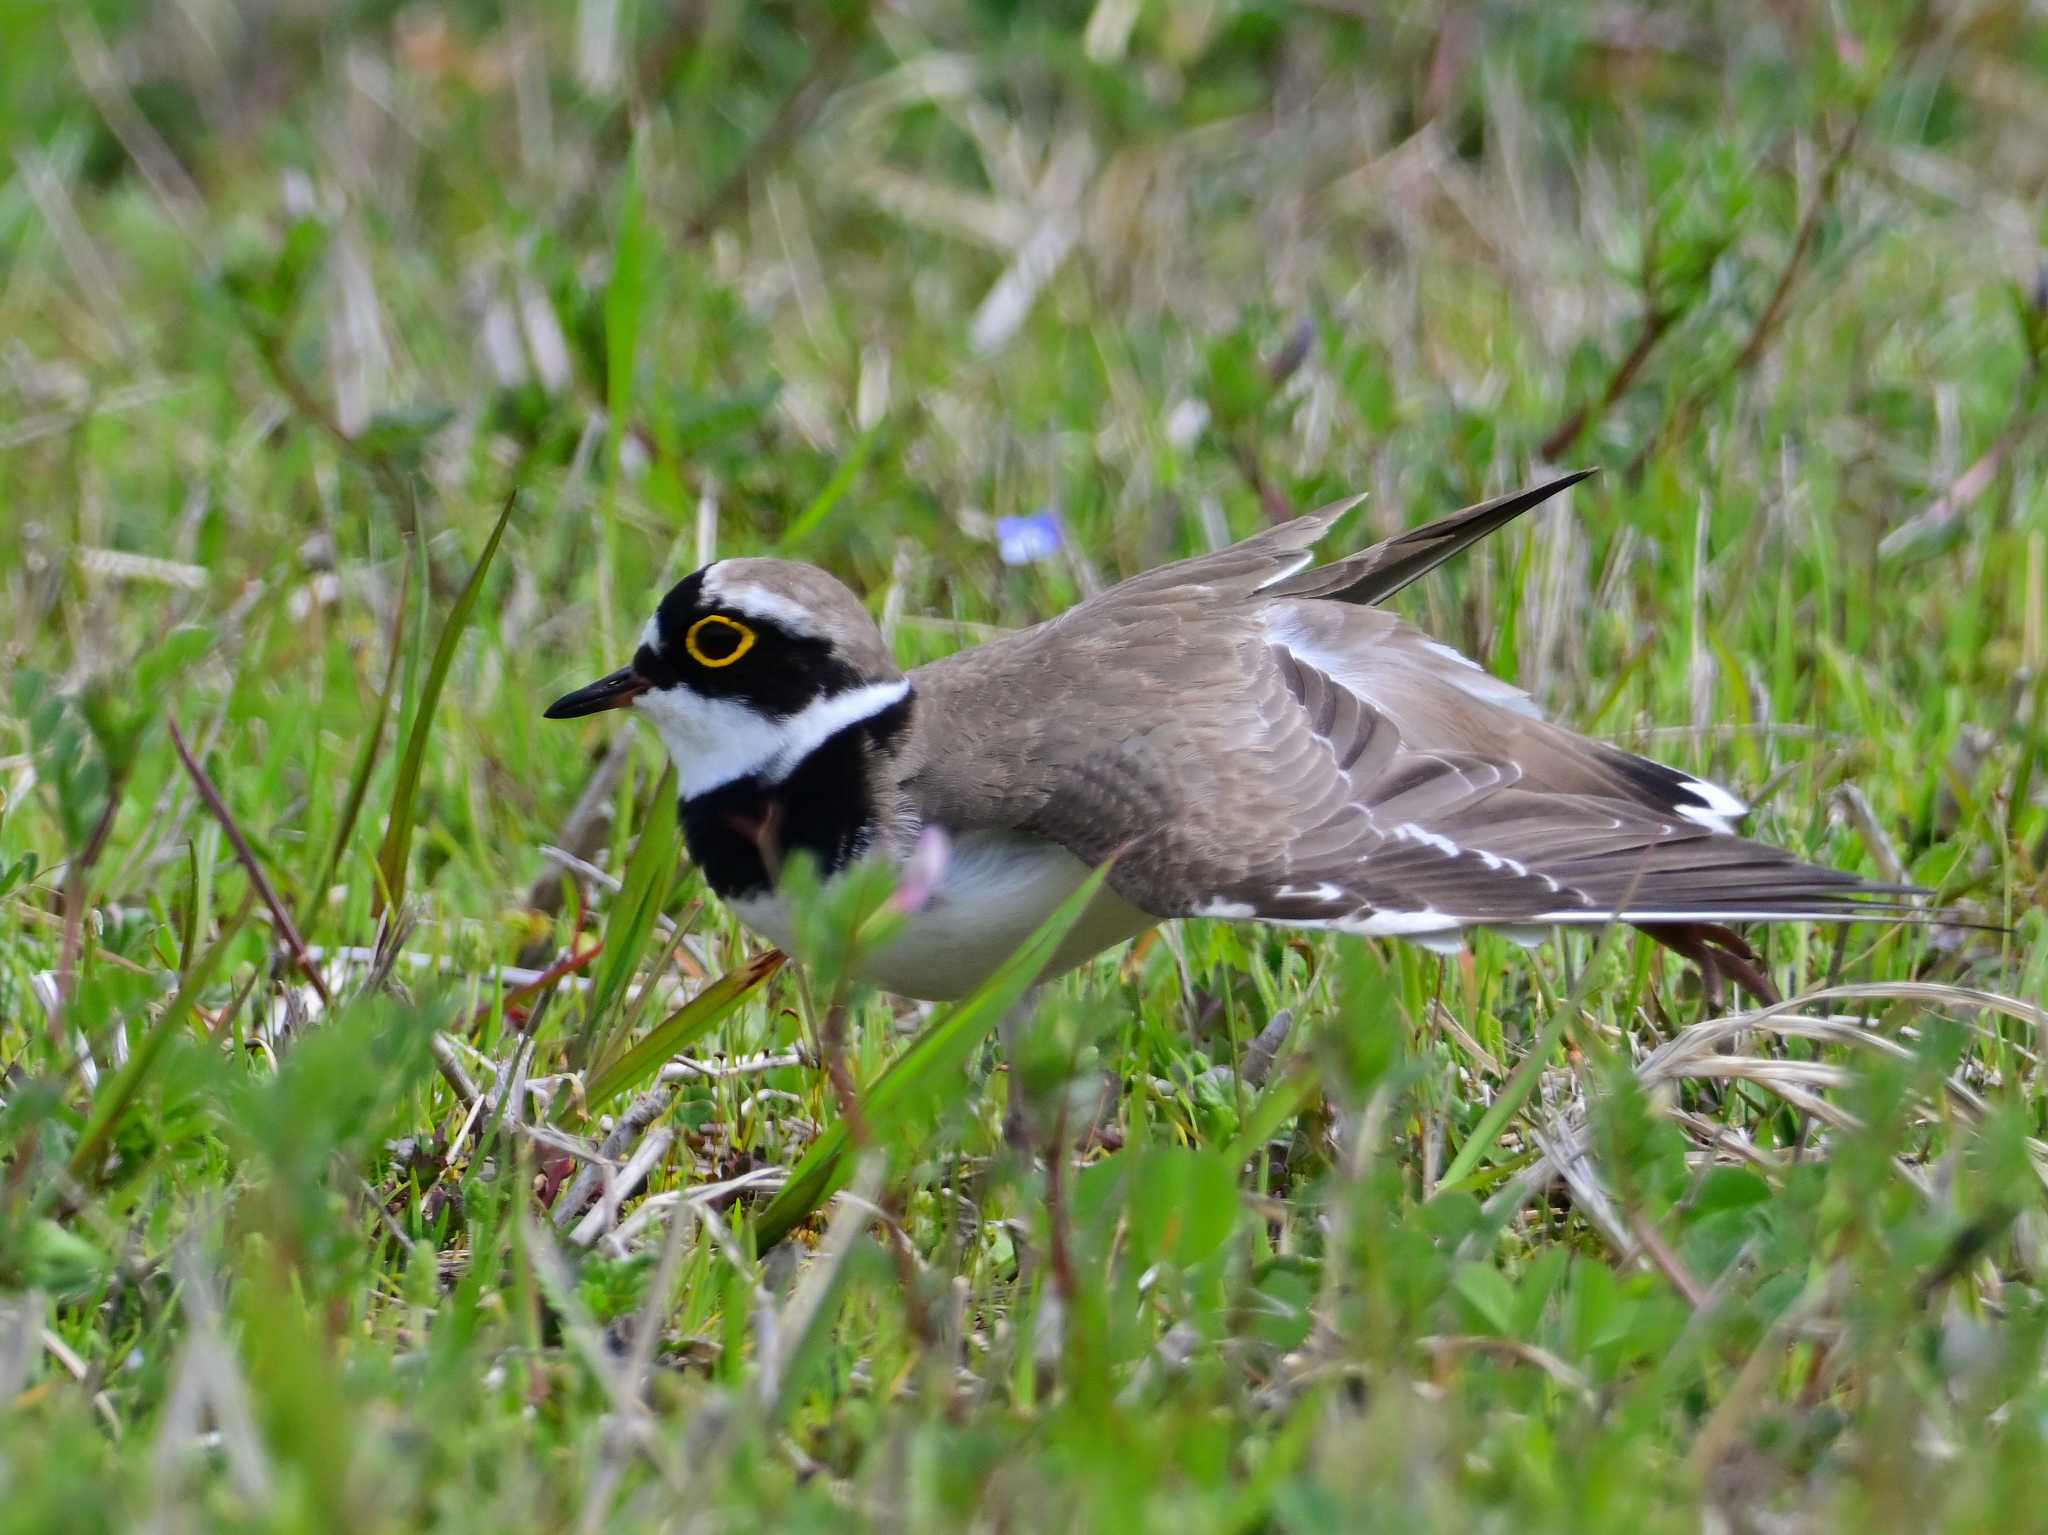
{"x":1721,"y":953}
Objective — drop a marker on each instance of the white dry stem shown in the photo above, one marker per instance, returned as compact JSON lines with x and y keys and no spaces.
{"x":619,"y":1242}
{"x":630,"y":1416}
{"x":1855,"y":804}
{"x":1700,"y":1052}
{"x":806,"y":1306}
{"x":1457,"y":1345}
{"x":642,"y":1112}
{"x":336,"y":963}
{"x":684,"y":1069}
{"x":21,"y":1330}
{"x":621,"y":1185}
{"x":41,"y":179}
{"x":206,"y":1388}
{"x":449,"y":1064}
{"x":582,"y":868}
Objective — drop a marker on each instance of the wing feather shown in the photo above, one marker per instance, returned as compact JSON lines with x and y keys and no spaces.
{"x":1246,"y":747}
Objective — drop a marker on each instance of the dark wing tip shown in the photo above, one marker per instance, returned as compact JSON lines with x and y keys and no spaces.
{"x":1377,"y":573}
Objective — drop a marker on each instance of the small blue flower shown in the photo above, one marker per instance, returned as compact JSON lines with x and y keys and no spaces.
{"x":1028,"y":540}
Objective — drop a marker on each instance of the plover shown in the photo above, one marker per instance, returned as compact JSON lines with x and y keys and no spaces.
{"x":1245,"y":733}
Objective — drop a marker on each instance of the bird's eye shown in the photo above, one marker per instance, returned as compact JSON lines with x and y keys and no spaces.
{"x":715,"y":640}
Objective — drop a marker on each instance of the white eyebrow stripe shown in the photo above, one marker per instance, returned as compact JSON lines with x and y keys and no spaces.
{"x":752,"y":600}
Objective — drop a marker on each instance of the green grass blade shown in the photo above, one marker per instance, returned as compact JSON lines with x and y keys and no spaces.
{"x":1522,"y":1080}
{"x":835,"y":490}
{"x":681,"y":1028}
{"x":625,"y":304}
{"x":931,"y":1061}
{"x":626,"y":295}
{"x":650,"y":876}
{"x":315,"y":905}
{"x":391,"y":858}
{"x":1279,"y":1103}
{"x":112,"y":1102}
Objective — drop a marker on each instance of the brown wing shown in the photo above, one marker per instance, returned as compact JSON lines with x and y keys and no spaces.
{"x":1277,"y":562}
{"x":1250,"y":753}
{"x":1386,"y":567}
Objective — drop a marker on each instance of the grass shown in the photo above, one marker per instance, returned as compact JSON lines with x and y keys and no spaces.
{"x":296,"y":302}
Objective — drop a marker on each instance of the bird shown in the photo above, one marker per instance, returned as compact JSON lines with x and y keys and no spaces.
{"x":1243,"y":735}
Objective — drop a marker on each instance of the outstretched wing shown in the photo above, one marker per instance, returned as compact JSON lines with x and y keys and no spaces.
{"x":1278,"y":561}
{"x":1386,"y":567}
{"x":1374,"y":797}
{"x":1247,"y":749}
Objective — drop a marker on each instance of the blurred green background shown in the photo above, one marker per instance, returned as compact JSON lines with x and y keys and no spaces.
{"x":983,"y":305}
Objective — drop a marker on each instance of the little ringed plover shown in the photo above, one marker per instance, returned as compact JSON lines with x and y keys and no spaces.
{"x":1244,"y":732}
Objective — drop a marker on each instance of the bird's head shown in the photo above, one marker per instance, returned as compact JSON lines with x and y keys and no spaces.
{"x":747,"y":667}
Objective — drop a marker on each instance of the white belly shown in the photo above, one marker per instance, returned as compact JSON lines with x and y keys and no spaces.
{"x":996,"y":890}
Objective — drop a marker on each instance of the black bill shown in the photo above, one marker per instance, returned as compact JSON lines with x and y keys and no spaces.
{"x":613,"y":692}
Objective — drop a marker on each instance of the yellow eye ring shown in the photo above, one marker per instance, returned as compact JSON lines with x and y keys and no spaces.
{"x":743,"y":640}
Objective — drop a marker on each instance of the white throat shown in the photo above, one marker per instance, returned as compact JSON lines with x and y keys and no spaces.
{"x":713,"y":741}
